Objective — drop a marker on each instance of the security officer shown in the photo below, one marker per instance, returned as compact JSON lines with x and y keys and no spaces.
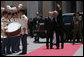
{"x":78,"y":26}
{"x":36,"y":25}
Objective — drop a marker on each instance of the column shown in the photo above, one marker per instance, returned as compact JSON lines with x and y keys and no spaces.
{"x":32,"y":8}
{"x":66,"y":6}
{"x":79,"y":6}
{"x":8,"y":3}
{"x":40,"y":7}
{"x":47,"y":6}
{"x":2,"y":3}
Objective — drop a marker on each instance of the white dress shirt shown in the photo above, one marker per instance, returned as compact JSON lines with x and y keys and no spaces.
{"x":24,"y":23}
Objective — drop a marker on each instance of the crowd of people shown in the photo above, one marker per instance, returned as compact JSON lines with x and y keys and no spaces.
{"x":10,"y":44}
{"x":53,"y":26}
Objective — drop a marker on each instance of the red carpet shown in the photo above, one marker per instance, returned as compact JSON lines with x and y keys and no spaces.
{"x":69,"y":50}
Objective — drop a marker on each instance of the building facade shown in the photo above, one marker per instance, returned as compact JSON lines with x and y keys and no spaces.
{"x":45,"y":6}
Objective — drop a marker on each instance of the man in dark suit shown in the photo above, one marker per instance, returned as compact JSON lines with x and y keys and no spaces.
{"x":35,"y":25}
{"x":49,"y":29}
{"x":59,"y":28}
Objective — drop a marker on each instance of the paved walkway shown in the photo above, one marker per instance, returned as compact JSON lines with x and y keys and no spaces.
{"x":32,"y":46}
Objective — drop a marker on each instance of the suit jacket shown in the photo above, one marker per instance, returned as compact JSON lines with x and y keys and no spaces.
{"x":49,"y":25}
{"x":35,"y":21}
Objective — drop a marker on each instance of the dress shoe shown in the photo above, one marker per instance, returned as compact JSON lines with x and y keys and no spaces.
{"x":22,"y":53}
{"x":51,"y":48}
{"x":57,"y":48}
{"x":47,"y":48}
{"x":34,"y":41}
{"x":9,"y":52}
{"x":13,"y":51}
{"x":61,"y":47}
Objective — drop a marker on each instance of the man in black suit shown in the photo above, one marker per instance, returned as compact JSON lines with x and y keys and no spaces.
{"x":35,"y":23}
{"x":59,"y":28}
{"x":49,"y":29}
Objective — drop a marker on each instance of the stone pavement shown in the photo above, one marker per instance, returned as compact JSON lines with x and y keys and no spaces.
{"x":32,"y":46}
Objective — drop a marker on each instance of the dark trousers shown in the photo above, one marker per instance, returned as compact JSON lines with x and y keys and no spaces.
{"x":6,"y":45}
{"x":3,"y":45}
{"x":49,"y":36}
{"x":36,"y":37}
{"x":15,"y":43}
{"x":9,"y":41}
{"x":24,"y":43}
{"x":11,"y":44}
{"x":59,"y":32}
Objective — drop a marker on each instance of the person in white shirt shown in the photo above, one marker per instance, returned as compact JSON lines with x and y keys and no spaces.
{"x":10,"y":38}
{"x":3,"y":28}
{"x":16,"y":38}
{"x":24,"y":30}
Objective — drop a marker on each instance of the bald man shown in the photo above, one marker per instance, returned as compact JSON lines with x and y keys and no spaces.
{"x":49,"y":26}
